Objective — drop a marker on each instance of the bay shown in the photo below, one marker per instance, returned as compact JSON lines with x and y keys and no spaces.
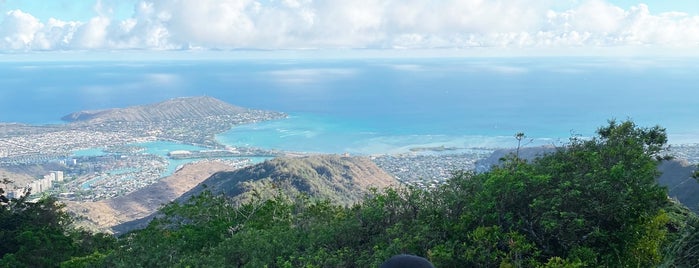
{"x":369,"y":106}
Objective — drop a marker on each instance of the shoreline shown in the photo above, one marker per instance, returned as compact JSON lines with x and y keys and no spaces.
{"x":430,"y":159}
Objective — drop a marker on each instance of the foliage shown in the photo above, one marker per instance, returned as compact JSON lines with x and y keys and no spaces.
{"x":682,"y":251}
{"x":594,"y":202}
{"x":38,"y":234}
{"x":595,"y":195}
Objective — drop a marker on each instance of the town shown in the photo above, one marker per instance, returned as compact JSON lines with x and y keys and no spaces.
{"x":428,"y":170}
{"x":124,"y":167}
{"x":121,"y":166}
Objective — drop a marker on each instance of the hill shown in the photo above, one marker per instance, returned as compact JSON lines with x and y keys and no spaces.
{"x":529,"y":153}
{"x":191,"y":120}
{"x":677,"y":177}
{"x":343,"y":180}
{"x":173,"y":109}
{"x":103,"y":215}
{"x":595,"y":204}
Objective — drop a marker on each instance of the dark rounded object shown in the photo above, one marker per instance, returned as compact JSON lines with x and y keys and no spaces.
{"x":406,"y":261}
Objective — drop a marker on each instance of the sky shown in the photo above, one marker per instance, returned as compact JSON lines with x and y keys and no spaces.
{"x":212,"y":25}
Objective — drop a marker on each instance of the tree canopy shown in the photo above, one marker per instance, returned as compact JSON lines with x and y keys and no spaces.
{"x":594,"y":202}
{"x":39,"y":234}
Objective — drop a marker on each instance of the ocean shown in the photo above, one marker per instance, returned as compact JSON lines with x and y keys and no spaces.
{"x":378,"y":105}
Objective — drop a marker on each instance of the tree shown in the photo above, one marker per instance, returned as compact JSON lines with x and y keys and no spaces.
{"x":39,"y":234}
{"x":593,"y":200}
{"x":34,"y":233}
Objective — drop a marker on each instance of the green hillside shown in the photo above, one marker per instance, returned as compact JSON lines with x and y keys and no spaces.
{"x":342,"y":180}
{"x":593,"y":203}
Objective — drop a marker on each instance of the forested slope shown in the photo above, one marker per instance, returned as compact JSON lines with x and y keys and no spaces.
{"x":593,"y":203}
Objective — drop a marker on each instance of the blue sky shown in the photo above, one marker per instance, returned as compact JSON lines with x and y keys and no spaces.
{"x":81,"y":10}
{"x":41,"y":25}
{"x":688,"y":6}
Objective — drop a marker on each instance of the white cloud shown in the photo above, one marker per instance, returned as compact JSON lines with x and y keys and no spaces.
{"x":54,"y":34}
{"x":92,"y":34}
{"x":18,"y":29}
{"x":596,"y":16}
{"x":600,"y":24}
{"x":209,"y":23}
{"x":225,"y":24}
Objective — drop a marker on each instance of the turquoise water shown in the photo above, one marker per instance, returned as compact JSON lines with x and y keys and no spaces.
{"x":379,"y":105}
{"x":162,"y":148}
{"x":89,"y":152}
{"x":318,"y":134}
{"x":158,"y":148}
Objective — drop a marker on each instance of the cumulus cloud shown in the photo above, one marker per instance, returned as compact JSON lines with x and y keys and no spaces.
{"x":18,"y":30}
{"x":601,"y":24}
{"x":92,"y":34}
{"x":298,"y":24}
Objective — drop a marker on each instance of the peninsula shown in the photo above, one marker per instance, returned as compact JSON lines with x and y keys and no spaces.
{"x":191,"y":120}
{"x":37,"y":150}
{"x":187,"y":120}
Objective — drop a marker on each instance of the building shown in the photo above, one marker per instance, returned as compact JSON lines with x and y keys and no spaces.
{"x":46,"y":183}
{"x":179,"y":153}
{"x":57,"y":175}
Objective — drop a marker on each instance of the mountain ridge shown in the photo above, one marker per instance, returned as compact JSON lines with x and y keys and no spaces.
{"x":104,"y":214}
{"x":341,"y":179}
{"x":345,"y":180}
{"x":190,"y":120}
{"x":172,"y":109}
